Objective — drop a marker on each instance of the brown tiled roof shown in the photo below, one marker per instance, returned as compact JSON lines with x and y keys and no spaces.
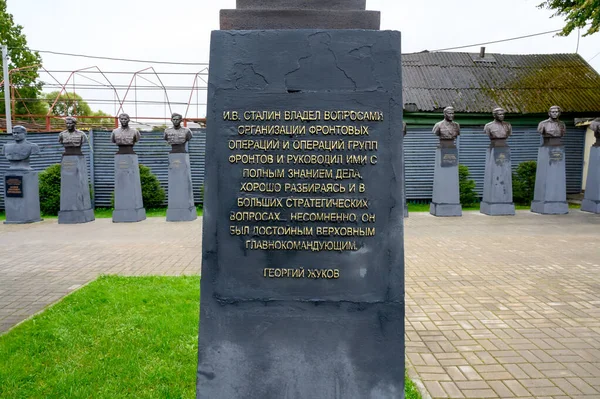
{"x":518,"y":83}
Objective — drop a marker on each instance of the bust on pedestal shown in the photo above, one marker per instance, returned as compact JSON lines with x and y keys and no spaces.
{"x":497,"y":184}
{"x":446,"y":194}
{"x":550,"y":195}
{"x":181,"y":194}
{"x":75,"y":201}
{"x":591,"y":200}
{"x":21,"y":184}
{"x":129,"y":206}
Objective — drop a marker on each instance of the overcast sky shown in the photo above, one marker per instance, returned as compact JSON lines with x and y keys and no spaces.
{"x":179,"y":30}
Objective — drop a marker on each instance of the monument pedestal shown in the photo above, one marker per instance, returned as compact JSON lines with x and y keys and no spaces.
{"x":446,"y":194}
{"x":129,"y":206}
{"x":591,"y":200}
{"x":75,"y":201}
{"x":550,"y":195}
{"x":21,"y":196}
{"x":497,"y":185}
{"x":181,"y":195}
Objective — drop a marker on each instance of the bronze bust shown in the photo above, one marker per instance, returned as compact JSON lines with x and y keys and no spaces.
{"x":552,"y":129}
{"x":447,"y":130}
{"x":72,"y":139}
{"x":498,"y":130}
{"x":124,"y":136}
{"x":18,"y":153}
{"x":177,"y":135}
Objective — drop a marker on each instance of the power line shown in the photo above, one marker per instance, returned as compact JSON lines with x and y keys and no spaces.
{"x":597,"y":54}
{"x":499,"y":41}
{"x":118,"y":59}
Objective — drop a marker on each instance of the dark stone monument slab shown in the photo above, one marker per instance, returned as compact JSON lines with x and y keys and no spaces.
{"x":404,"y":171}
{"x":591,"y":200}
{"x":497,"y":182}
{"x":550,"y":195}
{"x":75,"y":201}
{"x":129,"y":206}
{"x":21,"y":185}
{"x":446,"y":194}
{"x":303,"y":252}
{"x":301,"y":14}
{"x":181,"y":195}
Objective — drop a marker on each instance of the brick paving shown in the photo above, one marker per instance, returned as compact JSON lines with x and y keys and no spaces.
{"x":504,"y":307}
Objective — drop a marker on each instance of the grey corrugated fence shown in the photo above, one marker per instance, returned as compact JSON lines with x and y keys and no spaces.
{"x":152,"y":151}
{"x":420,"y":146}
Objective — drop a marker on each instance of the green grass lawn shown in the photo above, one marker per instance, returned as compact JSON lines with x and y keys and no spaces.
{"x":118,"y":337}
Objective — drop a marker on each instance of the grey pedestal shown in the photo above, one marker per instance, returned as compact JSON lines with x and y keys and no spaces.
{"x":446,"y":194}
{"x":181,"y":196}
{"x":591,"y":201}
{"x":550,"y":196}
{"x":497,"y":184}
{"x":75,"y":201}
{"x":129,"y":206}
{"x":21,"y":196}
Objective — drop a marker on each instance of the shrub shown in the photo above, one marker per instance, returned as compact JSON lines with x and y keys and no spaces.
{"x":468,"y":196}
{"x":153,"y":195}
{"x":524,"y":182}
{"x":50,"y":190}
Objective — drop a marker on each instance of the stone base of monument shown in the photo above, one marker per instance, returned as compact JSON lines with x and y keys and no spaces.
{"x":21,"y":197}
{"x":550,"y":195}
{"x":181,"y":195}
{"x":129,"y":206}
{"x":75,"y":201}
{"x":591,"y":200}
{"x":497,"y":186}
{"x":446,"y":194}
{"x":405,"y":209}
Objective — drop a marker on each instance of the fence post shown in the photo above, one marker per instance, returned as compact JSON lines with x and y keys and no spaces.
{"x":92,"y":170}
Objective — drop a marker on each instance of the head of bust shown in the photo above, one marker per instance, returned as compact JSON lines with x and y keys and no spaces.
{"x":554,"y":112}
{"x":499,"y":114}
{"x":19,"y":133}
{"x":71,"y":123}
{"x":124,"y":119}
{"x":176,"y":119}
{"x":449,"y":114}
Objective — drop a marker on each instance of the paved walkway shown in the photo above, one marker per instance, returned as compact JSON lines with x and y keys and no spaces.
{"x":496,"y":307}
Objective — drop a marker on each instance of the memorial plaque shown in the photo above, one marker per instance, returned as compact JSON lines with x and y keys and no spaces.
{"x":13,"y":186}
{"x":501,"y":155}
{"x":303,"y":255}
{"x":557,"y":154}
{"x":449,"y":157}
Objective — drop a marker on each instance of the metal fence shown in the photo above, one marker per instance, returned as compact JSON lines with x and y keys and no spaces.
{"x":419,"y":152}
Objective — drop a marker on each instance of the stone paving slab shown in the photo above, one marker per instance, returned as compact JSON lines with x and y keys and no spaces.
{"x":497,"y":307}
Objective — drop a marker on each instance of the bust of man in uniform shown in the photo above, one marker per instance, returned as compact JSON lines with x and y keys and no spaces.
{"x":595,"y":126}
{"x":18,"y":153}
{"x":552,"y":129}
{"x":447,"y":130}
{"x":125,"y":137}
{"x":72,"y":139}
{"x":177,"y":135}
{"x":498,"y":130}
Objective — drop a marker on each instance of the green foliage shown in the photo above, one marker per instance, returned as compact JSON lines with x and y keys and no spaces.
{"x":524,"y":182}
{"x":577,"y":14}
{"x":468,"y":196}
{"x":50,"y":190}
{"x":74,"y":105}
{"x":153,"y":195}
{"x":12,"y":35}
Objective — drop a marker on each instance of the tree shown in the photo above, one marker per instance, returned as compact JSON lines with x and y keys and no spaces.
{"x":25,"y":80}
{"x":73,"y":104}
{"x":578,"y":14}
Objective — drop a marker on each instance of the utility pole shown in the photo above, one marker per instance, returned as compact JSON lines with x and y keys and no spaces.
{"x":6,"y":90}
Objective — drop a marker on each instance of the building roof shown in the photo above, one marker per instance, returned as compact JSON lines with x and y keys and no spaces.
{"x":523,"y":84}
